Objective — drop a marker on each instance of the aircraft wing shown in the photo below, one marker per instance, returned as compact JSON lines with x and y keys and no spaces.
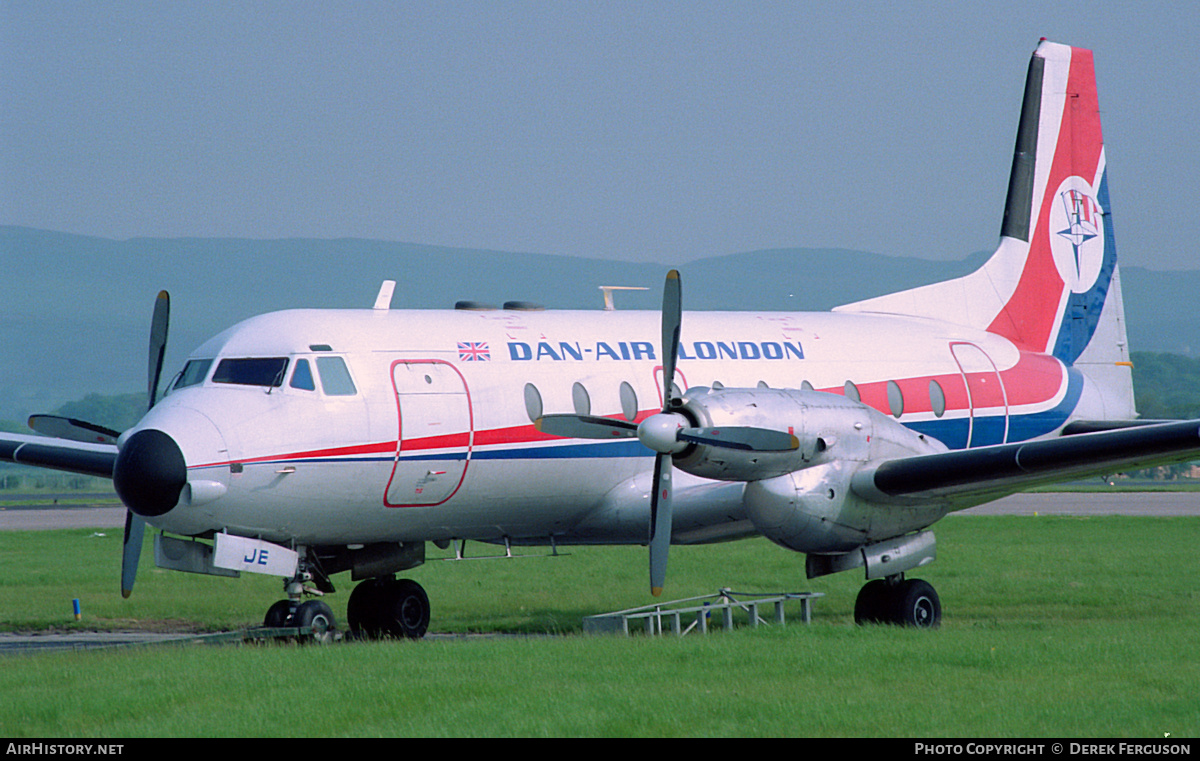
{"x":58,"y":454}
{"x":990,"y":472}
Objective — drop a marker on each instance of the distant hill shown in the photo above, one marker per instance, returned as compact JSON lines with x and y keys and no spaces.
{"x":75,"y":310}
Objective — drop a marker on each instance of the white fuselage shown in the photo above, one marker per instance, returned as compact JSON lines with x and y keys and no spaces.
{"x":436,"y":439}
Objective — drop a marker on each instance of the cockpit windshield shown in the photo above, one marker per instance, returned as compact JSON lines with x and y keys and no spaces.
{"x":193,"y":373}
{"x":252,"y":371}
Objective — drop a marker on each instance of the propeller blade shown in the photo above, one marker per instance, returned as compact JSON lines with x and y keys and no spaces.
{"x":672,"y":316}
{"x":135,"y":532}
{"x":135,"y":525}
{"x":660,"y":523}
{"x":158,"y":344}
{"x":740,"y":437}
{"x":72,"y":429}
{"x":585,"y":427}
{"x":660,"y":497}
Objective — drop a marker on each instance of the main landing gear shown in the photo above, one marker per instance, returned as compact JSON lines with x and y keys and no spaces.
{"x":897,"y":600}
{"x":388,"y":607}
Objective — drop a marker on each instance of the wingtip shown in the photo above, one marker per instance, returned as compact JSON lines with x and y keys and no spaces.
{"x":656,"y":591}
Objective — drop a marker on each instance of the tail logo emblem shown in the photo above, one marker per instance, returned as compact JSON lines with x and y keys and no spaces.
{"x":1078,"y":240}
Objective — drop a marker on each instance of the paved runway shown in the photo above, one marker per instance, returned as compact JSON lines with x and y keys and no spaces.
{"x":25,"y":644}
{"x":77,"y":516}
{"x":1148,"y":503}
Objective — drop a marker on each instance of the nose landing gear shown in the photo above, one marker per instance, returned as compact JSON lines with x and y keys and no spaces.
{"x":312,"y":616}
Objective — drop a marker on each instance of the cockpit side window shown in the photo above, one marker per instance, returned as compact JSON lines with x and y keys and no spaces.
{"x":193,"y":373}
{"x":252,"y":371}
{"x":302,"y":377}
{"x":335,"y":377}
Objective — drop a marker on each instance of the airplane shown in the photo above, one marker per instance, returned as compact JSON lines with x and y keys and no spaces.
{"x":308,"y":443}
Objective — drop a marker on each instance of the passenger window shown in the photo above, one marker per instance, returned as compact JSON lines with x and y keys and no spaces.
{"x":302,"y":376}
{"x":194,"y":373}
{"x":581,"y":400}
{"x":335,"y":377}
{"x":937,"y":398}
{"x":629,"y":402}
{"x":252,"y":371}
{"x":851,"y":391}
{"x":895,"y":399}
{"x":533,"y":402}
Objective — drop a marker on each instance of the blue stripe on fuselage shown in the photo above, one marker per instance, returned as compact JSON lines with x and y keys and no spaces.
{"x":953,"y":432}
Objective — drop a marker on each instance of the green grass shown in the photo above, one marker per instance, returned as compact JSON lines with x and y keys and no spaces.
{"x":1081,"y":627}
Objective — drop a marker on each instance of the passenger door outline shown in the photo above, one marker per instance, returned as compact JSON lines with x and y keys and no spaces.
{"x":433,"y":412}
{"x":985,"y":390}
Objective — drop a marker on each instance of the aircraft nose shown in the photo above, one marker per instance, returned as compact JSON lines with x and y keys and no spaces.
{"x":149,"y":473}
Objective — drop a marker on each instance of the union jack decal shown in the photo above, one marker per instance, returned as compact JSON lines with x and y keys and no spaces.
{"x":472,"y":351}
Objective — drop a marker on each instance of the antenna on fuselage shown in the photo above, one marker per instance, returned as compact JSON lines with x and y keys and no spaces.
{"x":384,"y":299}
{"x":608,"y":294}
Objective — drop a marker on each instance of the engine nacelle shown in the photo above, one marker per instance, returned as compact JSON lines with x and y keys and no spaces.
{"x":802,"y":499}
{"x":828,"y":427}
{"x":800,"y":413}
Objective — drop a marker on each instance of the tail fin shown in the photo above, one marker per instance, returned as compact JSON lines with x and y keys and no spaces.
{"x":1053,"y":285}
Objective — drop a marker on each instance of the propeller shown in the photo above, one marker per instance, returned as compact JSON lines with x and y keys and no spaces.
{"x":135,"y":525}
{"x":663,"y":429}
{"x":667,"y":433}
{"x":155,"y":476}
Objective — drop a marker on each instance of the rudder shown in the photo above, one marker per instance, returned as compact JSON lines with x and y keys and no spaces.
{"x":1067,"y":300}
{"x":1053,"y":285}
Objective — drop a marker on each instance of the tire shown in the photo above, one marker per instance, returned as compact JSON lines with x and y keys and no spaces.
{"x":319,"y":616}
{"x":279,"y":615}
{"x":917,"y":604}
{"x":362,"y":609}
{"x":871,"y":605}
{"x":404,"y":609}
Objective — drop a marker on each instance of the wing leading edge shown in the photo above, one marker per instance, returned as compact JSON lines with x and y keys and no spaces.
{"x":990,"y":472}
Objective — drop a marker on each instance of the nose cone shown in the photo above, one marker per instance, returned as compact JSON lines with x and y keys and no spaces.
{"x":150,"y":473}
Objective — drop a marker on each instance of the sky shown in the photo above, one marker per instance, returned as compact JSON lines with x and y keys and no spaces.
{"x":641,"y":131}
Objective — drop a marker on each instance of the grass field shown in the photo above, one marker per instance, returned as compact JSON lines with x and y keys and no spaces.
{"x":1068,"y":627}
